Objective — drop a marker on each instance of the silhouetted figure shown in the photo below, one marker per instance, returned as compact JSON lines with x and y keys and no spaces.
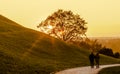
{"x":91,"y":58}
{"x":97,"y":57}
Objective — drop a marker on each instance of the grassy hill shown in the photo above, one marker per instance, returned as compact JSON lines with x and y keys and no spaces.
{"x":26,"y":51}
{"x":110,"y":70}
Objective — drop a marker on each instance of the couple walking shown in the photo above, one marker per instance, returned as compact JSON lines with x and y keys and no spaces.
{"x":94,"y":57}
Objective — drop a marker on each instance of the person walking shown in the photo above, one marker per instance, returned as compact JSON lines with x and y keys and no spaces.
{"x":97,"y":57}
{"x":91,"y":58}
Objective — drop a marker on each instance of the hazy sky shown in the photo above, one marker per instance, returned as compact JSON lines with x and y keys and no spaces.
{"x":103,"y":16}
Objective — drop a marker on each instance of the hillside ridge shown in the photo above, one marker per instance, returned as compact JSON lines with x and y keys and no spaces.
{"x":26,"y":51}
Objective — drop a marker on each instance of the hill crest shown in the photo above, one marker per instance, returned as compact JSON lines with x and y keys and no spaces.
{"x":27,"y":51}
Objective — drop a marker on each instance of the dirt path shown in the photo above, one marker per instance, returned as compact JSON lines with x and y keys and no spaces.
{"x":85,"y":70}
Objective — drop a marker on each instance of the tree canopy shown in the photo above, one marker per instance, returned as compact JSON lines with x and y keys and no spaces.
{"x":64,"y":25}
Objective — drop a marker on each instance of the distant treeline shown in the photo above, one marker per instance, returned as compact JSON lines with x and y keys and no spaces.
{"x":109,"y":52}
{"x":95,"y":46}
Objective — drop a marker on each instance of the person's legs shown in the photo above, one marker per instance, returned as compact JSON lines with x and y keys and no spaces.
{"x":92,"y":64}
{"x":97,"y":63}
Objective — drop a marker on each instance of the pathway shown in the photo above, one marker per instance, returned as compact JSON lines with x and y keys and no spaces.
{"x":85,"y":70}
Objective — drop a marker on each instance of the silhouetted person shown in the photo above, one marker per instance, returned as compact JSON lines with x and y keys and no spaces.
{"x":97,"y":57}
{"x":91,"y":58}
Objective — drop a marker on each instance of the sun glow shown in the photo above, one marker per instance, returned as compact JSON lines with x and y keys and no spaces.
{"x":46,"y":29}
{"x":50,"y":27}
{"x":102,"y":15}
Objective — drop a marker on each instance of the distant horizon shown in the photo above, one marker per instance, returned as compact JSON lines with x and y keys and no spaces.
{"x":103,"y":16}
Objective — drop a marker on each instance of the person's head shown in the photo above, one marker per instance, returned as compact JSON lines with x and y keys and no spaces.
{"x":92,"y":53}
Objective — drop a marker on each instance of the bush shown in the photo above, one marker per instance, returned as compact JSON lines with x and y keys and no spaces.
{"x":117,"y":55}
{"x":106,"y":51}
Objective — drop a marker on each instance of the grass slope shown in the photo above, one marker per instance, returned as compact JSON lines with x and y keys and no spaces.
{"x":27,"y":51}
{"x":111,"y":70}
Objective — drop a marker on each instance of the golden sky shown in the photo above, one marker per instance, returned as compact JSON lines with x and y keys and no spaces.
{"x":103,"y":16}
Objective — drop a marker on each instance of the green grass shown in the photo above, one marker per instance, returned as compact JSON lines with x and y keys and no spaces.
{"x":110,"y":70}
{"x":26,"y":51}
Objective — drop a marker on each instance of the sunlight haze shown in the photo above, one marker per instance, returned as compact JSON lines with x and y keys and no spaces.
{"x":103,"y":16}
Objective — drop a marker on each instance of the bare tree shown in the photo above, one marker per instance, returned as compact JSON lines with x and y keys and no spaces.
{"x":64,"y":25}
